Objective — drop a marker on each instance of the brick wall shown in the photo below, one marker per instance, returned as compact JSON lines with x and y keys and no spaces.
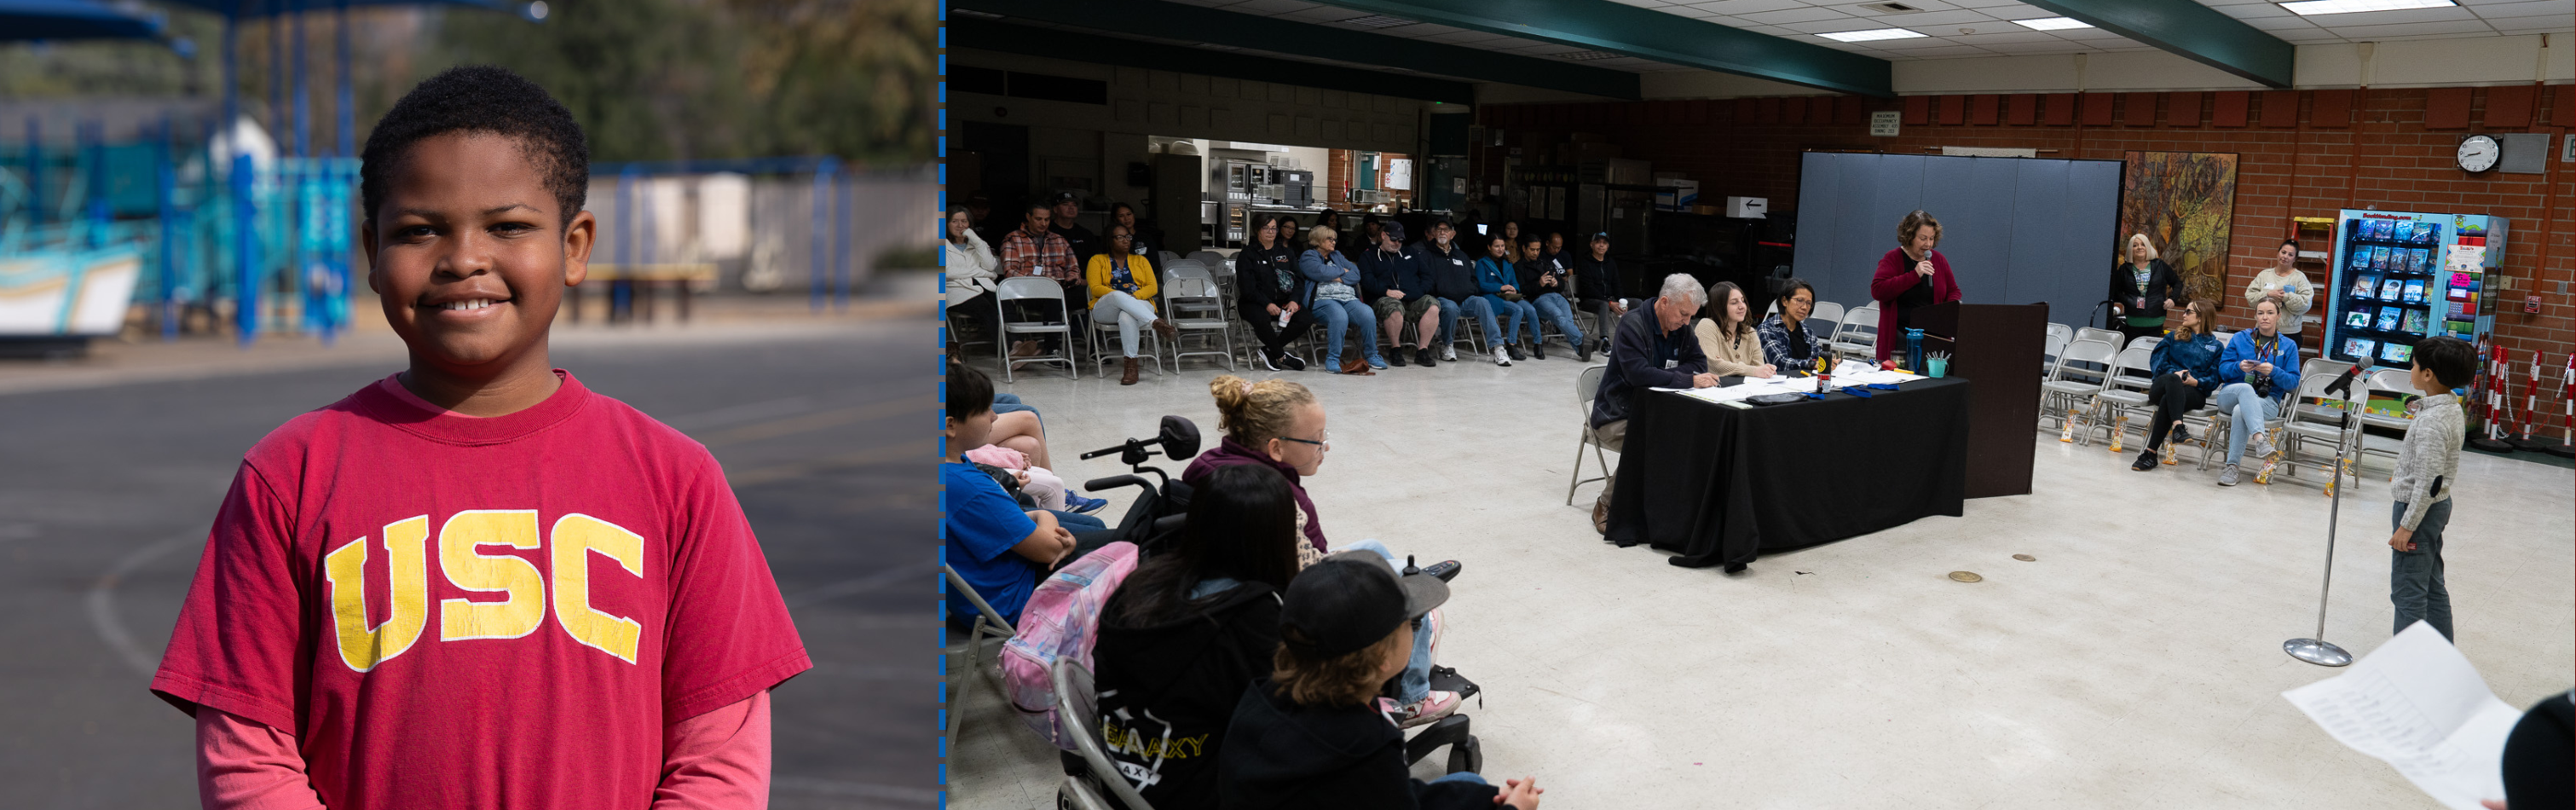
{"x":2304,"y":153}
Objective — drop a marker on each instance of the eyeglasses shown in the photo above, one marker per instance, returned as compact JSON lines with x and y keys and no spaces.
{"x":1325,"y":442}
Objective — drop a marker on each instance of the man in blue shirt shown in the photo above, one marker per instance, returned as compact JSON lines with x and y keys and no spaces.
{"x":999,"y":549}
{"x":1652,"y":348}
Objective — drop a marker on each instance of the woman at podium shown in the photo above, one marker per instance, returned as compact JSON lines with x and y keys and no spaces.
{"x":1909,"y":278}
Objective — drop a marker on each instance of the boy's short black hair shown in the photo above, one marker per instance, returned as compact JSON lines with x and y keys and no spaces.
{"x":481,"y":99}
{"x":969,"y":391}
{"x":1528,"y":239}
{"x":2454,"y":362}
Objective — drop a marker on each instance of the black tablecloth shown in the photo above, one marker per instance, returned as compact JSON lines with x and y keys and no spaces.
{"x":1716,"y":484}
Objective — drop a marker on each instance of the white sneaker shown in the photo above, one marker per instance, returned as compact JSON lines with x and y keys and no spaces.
{"x":1449,"y":353}
{"x":1501,"y":359}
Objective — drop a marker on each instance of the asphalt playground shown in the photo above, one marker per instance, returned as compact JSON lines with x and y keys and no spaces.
{"x":107,"y":489}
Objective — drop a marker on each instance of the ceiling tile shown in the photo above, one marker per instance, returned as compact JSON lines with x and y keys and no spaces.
{"x":2017,"y":35}
{"x":2532,"y":25}
{"x":1743,"y":7}
{"x":1830,"y":26}
{"x":2418,"y":15}
{"x":1644,"y":3}
{"x":2551,"y":8}
{"x":1942,"y":50}
{"x":2255,"y":11}
{"x":2085,"y":34}
{"x":2371,"y":32}
{"x":1944,"y":20}
{"x":1785,"y":16}
{"x":1268,"y":7}
{"x":1689,"y":12}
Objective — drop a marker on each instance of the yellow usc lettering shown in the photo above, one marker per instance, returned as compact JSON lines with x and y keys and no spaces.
{"x":361,"y":647}
{"x":524,"y":604}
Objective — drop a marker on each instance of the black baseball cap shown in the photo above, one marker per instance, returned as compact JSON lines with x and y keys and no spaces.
{"x":1063,"y":196}
{"x":1394,"y":229}
{"x":1346,"y":602}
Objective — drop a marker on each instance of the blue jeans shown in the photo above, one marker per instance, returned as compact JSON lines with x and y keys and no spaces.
{"x":1555,"y":308}
{"x":1078,"y":522}
{"x":2415,"y":577}
{"x":1514,"y":313}
{"x":1476,"y":306}
{"x":1338,"y":315}
{"x":1008,"y":403}
{"x":1415,"y":683}
{"x":2246,"y":413}
{"x":1469,"y":777}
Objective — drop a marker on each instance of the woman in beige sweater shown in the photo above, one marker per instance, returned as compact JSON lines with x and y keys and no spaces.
{"x":1726,"y":335}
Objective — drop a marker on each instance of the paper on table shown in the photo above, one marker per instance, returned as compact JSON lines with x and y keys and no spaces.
{"x":2419,"y":705}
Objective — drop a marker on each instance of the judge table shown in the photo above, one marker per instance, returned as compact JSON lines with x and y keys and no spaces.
{"x":1717,"y":485}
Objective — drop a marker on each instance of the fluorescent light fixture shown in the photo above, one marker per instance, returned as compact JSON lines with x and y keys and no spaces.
{"x":1873,"y":35}
{"x":2310,"y":8}
{"x":2052,"y":23}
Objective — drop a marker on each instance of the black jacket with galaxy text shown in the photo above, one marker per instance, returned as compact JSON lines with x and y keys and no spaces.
{"x":1167,"y":690}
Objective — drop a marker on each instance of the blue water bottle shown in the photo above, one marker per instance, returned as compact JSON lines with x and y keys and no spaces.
{"x":1914,"y":350}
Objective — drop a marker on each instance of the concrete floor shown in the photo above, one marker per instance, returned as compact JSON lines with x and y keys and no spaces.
{"x":2136,"y":663}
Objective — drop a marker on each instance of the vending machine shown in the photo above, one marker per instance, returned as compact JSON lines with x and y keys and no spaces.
{"x":2400,"y":278}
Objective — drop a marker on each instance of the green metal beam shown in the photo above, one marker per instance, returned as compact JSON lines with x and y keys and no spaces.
{"x":1153,"y":18}
{"x":968,"y":32}
{"x":1606,"y":26}
{"x":2190,"y":30}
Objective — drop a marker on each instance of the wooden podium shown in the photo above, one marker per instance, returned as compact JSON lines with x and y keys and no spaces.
{"x":1998,"y":348}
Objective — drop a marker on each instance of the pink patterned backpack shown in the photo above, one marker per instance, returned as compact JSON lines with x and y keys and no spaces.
{"x":1062,"y":618}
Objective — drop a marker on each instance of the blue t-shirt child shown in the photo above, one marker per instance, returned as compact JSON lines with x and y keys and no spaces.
{"x":983,"y":525}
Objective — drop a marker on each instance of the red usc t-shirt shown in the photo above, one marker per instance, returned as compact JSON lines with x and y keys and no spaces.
{"x":452,"y":612}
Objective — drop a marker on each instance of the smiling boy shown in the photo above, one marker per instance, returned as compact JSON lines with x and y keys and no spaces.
{"x":475,"y":583}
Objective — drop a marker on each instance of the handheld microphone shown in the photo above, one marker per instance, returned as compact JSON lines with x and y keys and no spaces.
{"x":2343,"y":384}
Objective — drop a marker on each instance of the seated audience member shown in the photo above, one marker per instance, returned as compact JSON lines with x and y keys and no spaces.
{"x":1557,"y":253}
{"x":2536,"y":754}
{"x":1143,"y":239}
{"x":1498,"y":283}
{"x":1543,"y":283}
{"x":1452,"y":271}
{"x":1336,"y":282}
{"x":1278,"y":424}
{"x":1726,"y":335}
{"x":1067,"y":223}
{"x":1597,"y":285}
{"x":2186,"y":369}
{"x":1401,"y":296}
{"x":1035,"y":249}
{"x":970,"y":269}
{"x":993,"y":544}
{"x":1786,"y":343}
{"x":1122,"y":288}
{"x":1651,"y":348}
{"x":1312,"y":734}
{"x":2257,"y":370}
{"x":1190,"y":630}
{"x":1265,"y":274}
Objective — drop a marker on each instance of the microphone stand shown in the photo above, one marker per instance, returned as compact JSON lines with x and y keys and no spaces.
{"x":2317,"y":650}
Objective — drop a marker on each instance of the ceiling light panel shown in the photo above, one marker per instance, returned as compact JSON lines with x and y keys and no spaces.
{"x":2310,"y":8}
{"x":1873,"y":35}
{"x":2052,"y":23}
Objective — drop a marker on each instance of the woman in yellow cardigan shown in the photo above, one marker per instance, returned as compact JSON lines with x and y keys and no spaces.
{"x":1122,"y":287}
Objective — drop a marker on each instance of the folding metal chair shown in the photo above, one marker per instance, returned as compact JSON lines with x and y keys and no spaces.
{"x":1040,"y":292}
{"x":1077,"y":701}
{"x":1192,"y":302}
{"x":988,"y":625}
{"x":2147,"y":342}
{"x":1827,"y":319}
{"x":2109,"y":336}
{"x":2123,"y":391}
{"x":1858,"y":334}
{"x":2074,"y":383}
{"x":1104,"y":332}
{"x":1586,"y":385}
{"x":2315,"y":417}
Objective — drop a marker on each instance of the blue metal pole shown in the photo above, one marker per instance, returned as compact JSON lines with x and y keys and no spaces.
{"x":276,"y":74}
{"x":841,"y":242}
{"x":619,"y":290}
{"x":163,"y":182}
{"x":35,"y":171}
{"x":245,"y":251}
{"x":303,"y":96}
{"x":822,"y":223}
{"x":348,"y":124}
